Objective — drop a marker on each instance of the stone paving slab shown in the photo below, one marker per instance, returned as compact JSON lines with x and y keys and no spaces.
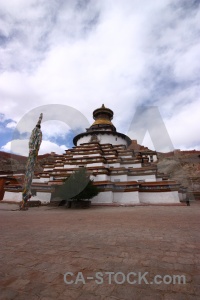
{"x":38,"y":246}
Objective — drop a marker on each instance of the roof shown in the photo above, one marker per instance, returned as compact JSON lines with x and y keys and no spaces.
{"x":103,"y":110}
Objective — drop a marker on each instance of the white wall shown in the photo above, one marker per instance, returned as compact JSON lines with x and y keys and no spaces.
{"x":126,"y":197}
{"x":103,"y":197}
{"x":101,"y":177}
{"x":159,"y":197}
{"x":43,"y":197}
{"x":87,"y":154}
{"x":131,"y":165}
{"x":12,"y":196}
{"x":109,"y":155}
{"x":147,"y":178}
{"x":104,"y":139}
{"x":41,"y":179}
{"x":96,"y":164}
{"x":120,"y":177}
{"x":36,"y":180}
{"x":114,"y":165}
{"x":17,"y":197}
{"x":71,"y":166}
{"x":47,"y":169}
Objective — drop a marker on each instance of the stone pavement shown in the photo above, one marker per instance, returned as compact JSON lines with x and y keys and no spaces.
{"x":38,"y":246}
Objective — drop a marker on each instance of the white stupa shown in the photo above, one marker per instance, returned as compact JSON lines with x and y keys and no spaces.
{"x":123,"y":175}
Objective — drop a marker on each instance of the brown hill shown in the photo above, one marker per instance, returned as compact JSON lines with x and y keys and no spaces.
{"x":182,"y":166}
{"x":13,"y":163}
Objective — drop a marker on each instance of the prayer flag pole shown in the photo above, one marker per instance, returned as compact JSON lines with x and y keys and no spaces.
{"x":34,"y":146}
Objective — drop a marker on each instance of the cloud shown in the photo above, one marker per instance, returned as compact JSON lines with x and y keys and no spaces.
{"x":11,"y":125}
{"x":54,"y":129}
{"x":48,"y":147}
{"x":187,"y":118}
{"x":85,"y":53}
{"x":21,"y":147}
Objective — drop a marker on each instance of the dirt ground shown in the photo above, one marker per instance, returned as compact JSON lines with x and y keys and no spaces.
{"x":110,"y":252}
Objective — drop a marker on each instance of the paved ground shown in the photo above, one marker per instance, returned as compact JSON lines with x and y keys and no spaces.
{"x":38,"y":246}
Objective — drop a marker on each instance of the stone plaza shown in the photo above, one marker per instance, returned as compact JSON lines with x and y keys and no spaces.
{"x":39,"y":246}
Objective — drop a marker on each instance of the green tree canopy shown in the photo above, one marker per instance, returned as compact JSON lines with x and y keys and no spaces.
{"x":78,"y":187}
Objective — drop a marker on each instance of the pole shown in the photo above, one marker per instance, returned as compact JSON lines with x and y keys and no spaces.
{"x":34,"y":146}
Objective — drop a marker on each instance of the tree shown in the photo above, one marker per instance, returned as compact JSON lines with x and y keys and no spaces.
{"x":78,"y":187}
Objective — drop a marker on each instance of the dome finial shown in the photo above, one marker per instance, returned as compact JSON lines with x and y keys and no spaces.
{"x":103,"y":106}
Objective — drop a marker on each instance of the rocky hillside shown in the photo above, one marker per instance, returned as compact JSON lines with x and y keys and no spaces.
{"x":182,"y":166}
{"x":12,"y":163}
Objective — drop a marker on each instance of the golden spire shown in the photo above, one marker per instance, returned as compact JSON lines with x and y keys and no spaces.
{"x":103,"y":116}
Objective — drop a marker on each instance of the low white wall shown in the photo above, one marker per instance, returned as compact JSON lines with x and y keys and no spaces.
{"x":43,"y":197}
{"x":17,"y":197}
{"x":126,"y":197}
{"x":12,"y":196}
{"x":159,"y":197}
{"x":103,"y":197}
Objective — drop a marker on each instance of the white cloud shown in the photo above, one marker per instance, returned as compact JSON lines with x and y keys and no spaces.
{"x":48,"y":147}
{"x":17,"y":147}
{"x":120,"y":53}
{"x":11,"y":125}
{"x":187,"y":65}
{"x":21,"y":147}
{"x":183,"y":129}
{"x":54,"y":129}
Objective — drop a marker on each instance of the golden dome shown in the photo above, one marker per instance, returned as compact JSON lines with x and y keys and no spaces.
{"x":102,"y":117}
{"x":102,"y":121}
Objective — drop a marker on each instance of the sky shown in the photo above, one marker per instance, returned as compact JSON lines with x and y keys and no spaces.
{"x":65,"y":58}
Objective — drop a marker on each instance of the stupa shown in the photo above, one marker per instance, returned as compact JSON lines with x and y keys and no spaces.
{"x":124,"y":176}
{"x":102,"y":130}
